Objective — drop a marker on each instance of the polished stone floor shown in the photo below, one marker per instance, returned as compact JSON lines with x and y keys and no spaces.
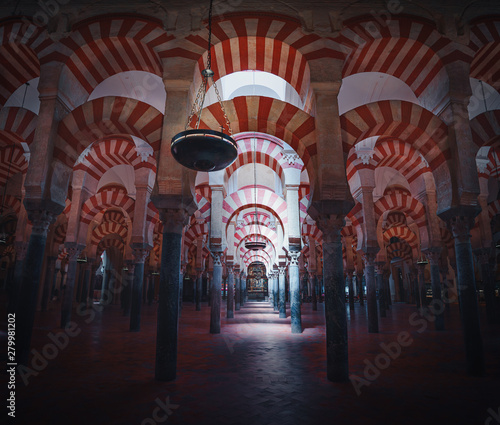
{"x":256,"y":372}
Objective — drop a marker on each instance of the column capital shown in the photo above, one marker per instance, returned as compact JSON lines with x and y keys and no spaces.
{"x":130,"y":266}
{"x":331,"y":226}
{"x":281,"y":270}
{"x":369,"y":258}
{"x":74,"y":249}
{"x":379,"y":267}
{"x":294,"y":258}
{"x":140,"y":251}
{"x":173,"y":220}
{"x":460,"y":227}
{"x":433,"y":255}
{"x":41,"y":220}
{"x":217,"y":256}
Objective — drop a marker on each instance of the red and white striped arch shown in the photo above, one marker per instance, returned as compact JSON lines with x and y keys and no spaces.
{"x":394,"y":219}
{"x":401,"y":120}
{"x":264,"y":42}
{"x":20,"y":44}
{"x":494,"y":208}
{"x":402,"y":233}
{"x":391,"y":153}
{"x":114,"y":215}
{"x":248,"y":256}
{"x":266,"y":115}
{"x":267,"y":153}
{"x":60,"y":233}
{"x":11,"y":203}
{"x":108,"y":228}
{"x":110,"y":152}
{"x":266,"y":199}
{"x":102,"y":46}
{"x":447,"y":238}
{"x":493,"y":167}
{"x":401,"y":200}
{"x":104,"y":200}
{"x":356,"y":215}
{"x":12,"y":161}
{"x":203,"y":207}
{"x":485,"y":41}
{"x":399,"y":249}
{"x":17,"y":125}
{"x":485,"y":128}
{"x":204,"y":191}
{"x":262,"y":218}
{"x":244,"y":232}
{"x":194,"y":232}
{"x":110,"y":243}
{"x":103,"y":117}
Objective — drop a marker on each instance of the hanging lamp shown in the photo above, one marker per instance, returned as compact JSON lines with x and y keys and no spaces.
{"x":202,"y":149}
{"x":254,"y":243}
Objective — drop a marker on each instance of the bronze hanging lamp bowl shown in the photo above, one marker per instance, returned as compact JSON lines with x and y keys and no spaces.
{"x":254,"y":245}
{"x":205,"y":149}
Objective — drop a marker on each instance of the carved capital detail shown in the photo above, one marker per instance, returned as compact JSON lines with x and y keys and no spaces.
{"x":217,"y":256}
{"x":73,"y":249}
{"x":41,"y":220}
{"x":460,"y":227}
{"x":174,"y":220}
{"x":379,"y":267}
{"x":369,"y":258}
{"x":433,"y":255}
{"x":331,"y":226}
{"x":281,"y":270}
{"x":482,"y":255}
{"x":294,"y":258}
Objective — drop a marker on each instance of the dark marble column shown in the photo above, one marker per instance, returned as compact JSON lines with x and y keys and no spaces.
{"x":433,"y":255}
{"x":215,"y":290}
{"x":230,"y":292}
{"x":483,"y":256}
{"x":314,"y":289}
{"x":243,"y":287}
{"x":237,"y":289}
{"x":351,"y":290}
{"x":276,"y":295}
{"x":49,"y":277}
{"x":86,"y":282}
{"x":151,"y":289}
{"x":381,"y":288}
{"x":105,"y":294}
{"x":28,"y":291}
{"x":93,"y":269}
{"x":467,"y":297}
{"x":168,"y":304}
{"x":127,"y":284}
{"x":74,"y":250}
{"x":445,"y":286}
{"x":320,"y":288}
{"x":371,"y":291}
{"x":335,"y":307}
{"x":359,"y":283}
{"x":295,"y":313}
{"x":416,"y":292}
{"x":282,"y":295}
{"x":21,"y":250}
{"x":421,"y":285}
{"x":140,"y":251}
{"x":198,"y":285}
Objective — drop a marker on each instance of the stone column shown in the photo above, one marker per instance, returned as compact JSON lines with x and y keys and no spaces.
{"x":314,"y":289}
{"x":466,"y":284}
{"x":335,"y":308}
{"x":270,"y":284}
{"x":86,"y":282}
{"x":237,"y":290}
{"x":230,"y":292}
{"x":295,"y":312}
{"x":433,"y":256}
{"x":106,"y":277}
{"x":483,"y":256}
{"x":127,"y":284}
{"x":371,"y":291}
{"x":243,"y":286}
{"x":445,"y":286}
{"x":28,"y":291}
{"x":276,"y":294}
{"x":351,"y":290}
{"x":416,"y":296}
{"x":198,"y":285}
{"x":381,"y":288}
{"x":21,"y":250}
{"x":359,"y":285}
{"x":74,"y":250}
{"x":282,"y":299}
{"x":140,"y":251}
{"x":49,"y":277}
{"x":215,"y":290}
{"x":168,"y":304}
{"x":421,"y":285}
